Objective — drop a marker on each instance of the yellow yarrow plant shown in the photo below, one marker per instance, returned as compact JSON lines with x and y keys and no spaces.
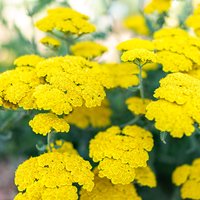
{"x":188,"y":178}
{"x":120,"y":152}
{"x":51,"y":176}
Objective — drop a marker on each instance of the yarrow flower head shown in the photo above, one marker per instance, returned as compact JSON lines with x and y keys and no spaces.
{"x":50,"y":42}
{"x":159,"y":6}
{"x":83,"y":117}
{"x":104,"y":189}
{"x":88,"y":49}
{"x":119,"y":153}
{"x":17,"y":86}
{"x":44,"y":123}
{"x":176,"y":50}
{"x":28,"y":60}
{"x":120,"y":75}
{"x":178,"y":100}
{"x":188,"y":177}
{"x":52,"y":176}
{"x":193,"y":19}
{"x":65,"y":20}
{"x":137,"y":105}
{"x":141,"y":56}
{"x":137,"y":23}
{"x":135,"y":43}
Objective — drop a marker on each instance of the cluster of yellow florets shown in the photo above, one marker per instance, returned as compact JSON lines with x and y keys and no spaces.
{"x":137,"y":23}
{"x":52,"y":175}
{"x":192,"y":20}
{"x":98,"y":116}
{"x":119,"y":153}
{"x":176,"y":49}
{"x":50,"y":41}
{"x":44,"y":123}
{"x":120,"y":75}
{"x":159,"y":6}
{"x":178,"y":100}
{"x":104,"y":189}
{"x":141,"y":56}
{"x":65,"y":20}
{"x":137,"y":105}
{"x":188,"y":177}
{"x":88,"y":49}
{"x":57,"y":84}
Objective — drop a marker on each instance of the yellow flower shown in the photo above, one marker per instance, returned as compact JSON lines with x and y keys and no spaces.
{"x":137,"y":23}
{"x":192,"y":20}
{"x":158,"y":5}
{"x":28,"y":60}
{"x":181,"y":174}
{"x":135,"y":43}
{"x":120,"y":75}
{"x":119,"y":153}
{"x":17,"y":87}
{"x":170,"y":32}
{"x":188,"y":177}
{"x":44,"y":123}
{"x":176,"y":50}
{"x":104,"y":190}
{"x":88,"y":49}
{"x":65,"y":20}
{"x":82,"y":117}
{"x":52,"y":176}
{"x":50,"y":41}
{"x":150,"y":66}
{"x":173,"y":62}
{"x":179,"y":100}
{"x":145,"y":176}
{"x":71,"y":81}
{"x":137,"y":105}
{"x":142,"y":56}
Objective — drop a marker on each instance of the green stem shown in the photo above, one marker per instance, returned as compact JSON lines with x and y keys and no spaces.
{"x":141,"y":88}
{"x":49,"y":137}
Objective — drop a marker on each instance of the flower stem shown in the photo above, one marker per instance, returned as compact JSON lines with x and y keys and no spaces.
{"x":49,"y":141}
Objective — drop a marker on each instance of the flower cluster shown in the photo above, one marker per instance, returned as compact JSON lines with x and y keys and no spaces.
{"x":56,"y":84}
{"x":98,"y":116}
{"x":120,"y":75}
{"x":50,"y":42}
{"x":28,"y":60}
{"x":88,"y":49}
{"x":135,"y":43}
{"x":159,"y":6}
{"x":137,"y":105}
{"x":44,"y":123}
{"x":176,"y":50}
{"x":52,"y":176}
{"x":188,"y":177}
{"x":178,"y":100}
{"x":141,"y":56}
{"x":104,"y":189}
{"x":65,"y":20}
{"x":137,"y":23}
{"x":192,"y":20}
{"x":120,"y":153}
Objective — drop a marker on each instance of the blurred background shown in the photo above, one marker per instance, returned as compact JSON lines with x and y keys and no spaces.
{"x":18,"y":36}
